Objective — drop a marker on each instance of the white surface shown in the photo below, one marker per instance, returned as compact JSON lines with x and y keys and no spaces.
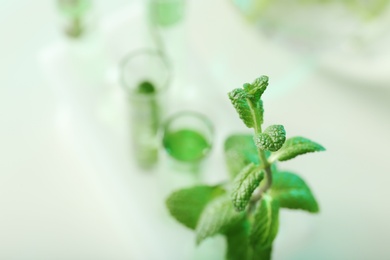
{"x":68,"y":187}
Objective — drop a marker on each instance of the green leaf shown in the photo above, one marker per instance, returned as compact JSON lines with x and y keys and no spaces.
{"x":247,"y":101}
{"x":292,"y":192}
{"x":272,"y":138}
{"x":186,"y":205}
{"x":238,"y":246}
{"x":218,"y":216}
{"x":260,"y":109}
{"x":262,"y":253}
{"x":240,"y":150}
{"x":295,"y":146}
{"x":243,"y":186}
{"x":237,"y":239}
{"x":256,"y":88}
{"x":265,"y":224}
{"x":238,"y":97}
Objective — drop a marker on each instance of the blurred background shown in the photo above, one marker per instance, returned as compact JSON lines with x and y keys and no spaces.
{"x":69,"y":184}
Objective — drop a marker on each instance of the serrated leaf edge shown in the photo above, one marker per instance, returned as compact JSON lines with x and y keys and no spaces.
{"x":272,"y":139}
{"x":240,"y":102}
{"x":235,"y":217}
{"x":305,"y":188}
{"x":249,"y":171}
{"x":275,"y":156}
{"x":171,"y":198}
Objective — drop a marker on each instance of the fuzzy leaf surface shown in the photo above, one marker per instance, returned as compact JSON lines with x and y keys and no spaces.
{"x":238,"y":97}
{"x":186,"y":205}
{"x":256,"y":89}
{"x":244,"y":184}
{"x":247,"y":101}
{"x":272,"y":139}
{"x":218,"y":216}
{"x":265,"y":224}
{"x":292,"y":192}
{"x":260,"y":109}
{"x":296,"y":146}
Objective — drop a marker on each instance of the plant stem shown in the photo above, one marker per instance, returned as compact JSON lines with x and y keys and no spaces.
{"x":263,"y":159}
{"x":268,"y":182}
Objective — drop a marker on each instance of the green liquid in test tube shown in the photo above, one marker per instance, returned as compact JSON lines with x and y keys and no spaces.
{"x":187,"y":139}
{"x":145,"y":123}
{"x":186,"y":145}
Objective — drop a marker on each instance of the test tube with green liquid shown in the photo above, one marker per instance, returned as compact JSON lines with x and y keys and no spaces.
{"x":145,"y":76}
{"x":187,"y":138}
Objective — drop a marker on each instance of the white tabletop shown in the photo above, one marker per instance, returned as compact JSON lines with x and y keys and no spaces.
{"x":69,"y":188}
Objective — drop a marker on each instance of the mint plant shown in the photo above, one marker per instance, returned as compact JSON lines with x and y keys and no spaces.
{"x":246,"y":209}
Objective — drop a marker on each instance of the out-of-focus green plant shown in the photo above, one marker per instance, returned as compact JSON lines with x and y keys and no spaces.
{"x":74,"y":11}
{"x":365,"y":9}
{"x":167,"y":12}
{"x":246,"y":209}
